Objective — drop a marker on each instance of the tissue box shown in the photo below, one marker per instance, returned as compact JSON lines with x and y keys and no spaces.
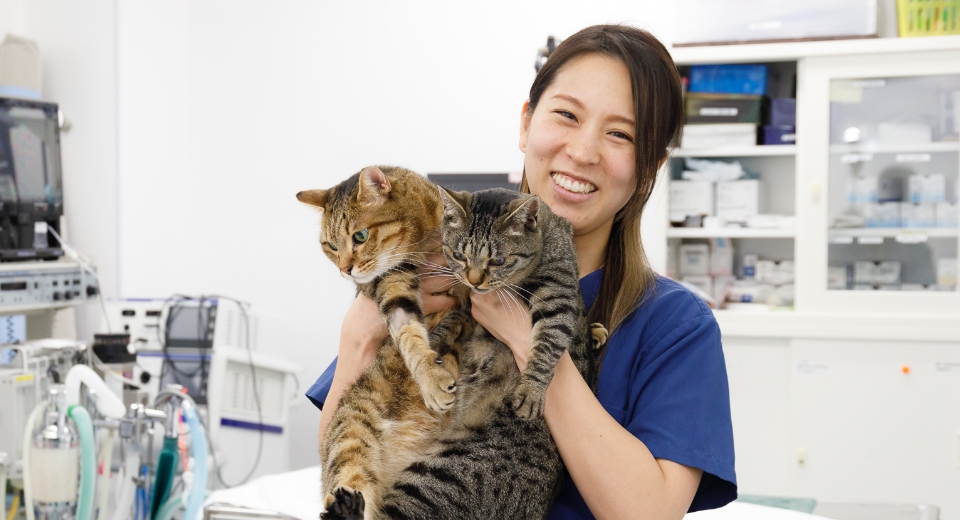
{"x":864,"y":190}
{"x":837,"y":278}
{"x":738,"y":200}
{"x":920,"y":215}
{"x":947,"y":272}
{"x":710,"y":135}
{"x":928,"y":188}
{"x":724,"y":108}
{"x":775,"y":273}
{"x":694,"y":260}
{"x":690,"y":198}
{"x":884,"y":215}
{"x":721,"y":257}
{"x":904,"y":133}
{"x":704,"y":283}
{"x":947,"y":215}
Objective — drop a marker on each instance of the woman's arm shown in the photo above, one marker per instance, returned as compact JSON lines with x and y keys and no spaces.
{"x":614,"y":471}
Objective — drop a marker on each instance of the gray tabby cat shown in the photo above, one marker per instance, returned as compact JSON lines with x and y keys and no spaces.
{"x":496,"y":458}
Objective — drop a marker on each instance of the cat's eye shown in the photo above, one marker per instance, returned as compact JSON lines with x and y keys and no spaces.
{"x":331,"y":246}
{"x":497,"y":261}
{"x":361,"y":236}
{"x":459,"y":256}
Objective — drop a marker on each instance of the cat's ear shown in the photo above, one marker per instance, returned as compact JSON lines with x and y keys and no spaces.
{"x":526,"y":217}
{"x":453,"y":211}
{"x":316,"y":198}
{"x":374,"y":186}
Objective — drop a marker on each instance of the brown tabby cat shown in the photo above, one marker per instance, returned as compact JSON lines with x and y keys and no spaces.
{"x":375,"y":227}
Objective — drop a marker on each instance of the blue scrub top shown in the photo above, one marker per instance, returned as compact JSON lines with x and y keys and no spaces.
{"x":663,"y":378}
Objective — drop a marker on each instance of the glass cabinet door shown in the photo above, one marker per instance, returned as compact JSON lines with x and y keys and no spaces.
{"x":892,"y":174}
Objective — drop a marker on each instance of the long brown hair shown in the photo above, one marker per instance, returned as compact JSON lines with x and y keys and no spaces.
{"x":658,"y":108}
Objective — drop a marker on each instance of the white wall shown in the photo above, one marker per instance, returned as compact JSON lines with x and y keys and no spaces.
{"x":227,"y":109}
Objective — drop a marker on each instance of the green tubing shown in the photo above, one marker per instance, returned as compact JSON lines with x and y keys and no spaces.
{"x":173,"y":505}
{"x":88,"y":460}
{"x":166,"y":465}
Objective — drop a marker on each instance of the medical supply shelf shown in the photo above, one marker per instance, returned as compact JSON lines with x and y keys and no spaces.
{"x":808,"y":180}
{"x":737,"y":151}
{"x":725,"y":232}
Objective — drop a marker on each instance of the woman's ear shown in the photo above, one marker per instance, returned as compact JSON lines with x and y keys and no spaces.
{"x":524,"y":125}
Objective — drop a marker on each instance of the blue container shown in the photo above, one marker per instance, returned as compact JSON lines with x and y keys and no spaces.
{"x":729,"y":79}
{"x":783,"y":112}
{"x":779,"y":135}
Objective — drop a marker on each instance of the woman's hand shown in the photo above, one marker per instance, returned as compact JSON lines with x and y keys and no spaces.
{"x":435,"y":281}
{"x":508,"y":319}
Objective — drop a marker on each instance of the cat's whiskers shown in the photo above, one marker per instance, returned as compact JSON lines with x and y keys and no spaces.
{"x":504,"y":304}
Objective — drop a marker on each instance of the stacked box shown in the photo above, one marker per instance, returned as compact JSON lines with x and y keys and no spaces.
{"x":694,"y":260}
{"x":729,"y":79}
{"x":884,"y":215}
{"x":928,"y":188}
{"x":724,"y":108}
{"x":921,"y":215}
{"x":738,"y":200}
{"x":729,"y":134}
{"x":690,"y":198}
{"x":947,"y":216}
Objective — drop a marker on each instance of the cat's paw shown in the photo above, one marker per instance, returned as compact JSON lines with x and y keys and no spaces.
{"x":343,"y":504}
{"x":599,"y":334}
{"x":438,"y":387}
{"x":528,"y":400}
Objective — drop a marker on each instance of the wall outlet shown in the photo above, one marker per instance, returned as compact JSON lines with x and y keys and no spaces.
{"x":801,"y":456}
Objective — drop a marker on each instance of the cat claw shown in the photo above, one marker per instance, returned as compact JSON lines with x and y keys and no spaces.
{"x":343,"y":504}
{"x":528,"y":402}
{"x":439,"y":392}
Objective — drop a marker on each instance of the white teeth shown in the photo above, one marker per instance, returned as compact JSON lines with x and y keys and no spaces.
{"x":571,"y":185}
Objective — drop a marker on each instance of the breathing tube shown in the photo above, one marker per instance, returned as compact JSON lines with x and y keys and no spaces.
{"x":198,"y":448}
{"x":88,"y":460}
{"x":27,"y":448}
{"x":166,"y":466}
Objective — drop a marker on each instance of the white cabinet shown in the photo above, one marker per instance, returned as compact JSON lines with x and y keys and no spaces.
{"x":872,"y":180}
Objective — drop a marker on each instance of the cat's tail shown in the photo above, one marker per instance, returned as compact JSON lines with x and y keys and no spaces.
{"x":348,"y":504}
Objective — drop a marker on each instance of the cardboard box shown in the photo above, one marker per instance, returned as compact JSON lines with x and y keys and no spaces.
{"x":947,"y":215}
{"x":738,"y":200}
{"x":749,"y":265}
{"x":724,"y":108}
{"x":921,"y":215}
{"x":928,"y":188}
{"x":864,"y":273}
{"x":779,"y":135}
{"x":694,"y":260}
{"x":729,"y":79}
{"x":783,"y":112}
{"x":864,"y":190}
{"x":704,"y":283}
{"x":690,"y":198}
{"x":886,"y":215}
{"x":947,"y":272}
{"x":837,"y":278}
{"x":711,"y":135}
{"x":721,"y":257}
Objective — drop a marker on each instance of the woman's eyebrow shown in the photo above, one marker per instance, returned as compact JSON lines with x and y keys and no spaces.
{"x":569,"y":98}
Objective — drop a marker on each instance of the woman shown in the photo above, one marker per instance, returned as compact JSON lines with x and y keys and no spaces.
{"x":656,"y":440}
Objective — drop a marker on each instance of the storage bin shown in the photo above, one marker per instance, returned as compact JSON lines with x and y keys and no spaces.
{"x":928,"y":17}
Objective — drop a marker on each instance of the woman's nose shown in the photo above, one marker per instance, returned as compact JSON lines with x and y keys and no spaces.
{"x":583,"y":148}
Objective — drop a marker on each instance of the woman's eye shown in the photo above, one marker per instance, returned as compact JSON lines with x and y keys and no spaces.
{"x":459,"y":256}
{"x":497,"y":261}
{"x":621,"y":135}
{"x":568,"y":115}
{"x":361,"y":236}
{"x":331,"y":246}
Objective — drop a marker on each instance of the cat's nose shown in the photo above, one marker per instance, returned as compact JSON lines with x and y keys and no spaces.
{"x":475,"y":277}
{"x":346,"y":270}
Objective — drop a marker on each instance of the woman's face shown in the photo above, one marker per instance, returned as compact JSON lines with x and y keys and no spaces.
{"x":579,"y":143}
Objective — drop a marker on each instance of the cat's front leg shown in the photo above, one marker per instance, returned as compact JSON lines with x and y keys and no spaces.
{"x":554,"y":326}
{"x":437,"y":385}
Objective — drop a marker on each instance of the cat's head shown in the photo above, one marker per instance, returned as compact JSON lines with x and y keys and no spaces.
{"x":491,"y":238}
{"x":363,"y":229}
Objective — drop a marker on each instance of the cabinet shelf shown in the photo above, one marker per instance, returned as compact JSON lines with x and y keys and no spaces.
{"x":948,"y":146}
{"x":731,"y":233}
{"x":738,"y":151}
{"x":895,"y":232}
